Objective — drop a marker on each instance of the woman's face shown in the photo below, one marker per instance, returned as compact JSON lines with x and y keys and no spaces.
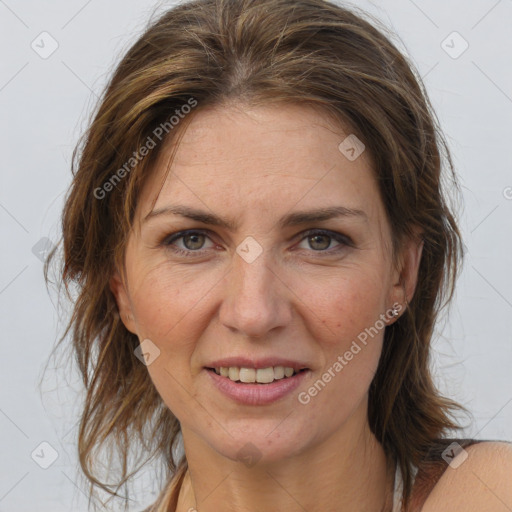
{"x":264,"y":282}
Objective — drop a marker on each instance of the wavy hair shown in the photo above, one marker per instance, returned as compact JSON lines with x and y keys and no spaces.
{"x":309,"y":52}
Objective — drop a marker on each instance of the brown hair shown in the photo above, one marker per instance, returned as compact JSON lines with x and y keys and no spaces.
{"x":310,"y":52}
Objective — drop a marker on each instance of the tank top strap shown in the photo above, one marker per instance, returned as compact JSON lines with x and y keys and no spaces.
{"x":168,"y":499}
{"x":398,"y":489}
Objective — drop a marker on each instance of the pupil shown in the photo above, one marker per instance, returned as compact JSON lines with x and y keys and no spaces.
{"x":187,"y":238}
{"x":316,"y":237}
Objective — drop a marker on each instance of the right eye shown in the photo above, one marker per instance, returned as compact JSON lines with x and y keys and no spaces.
{"x":192,"y":242}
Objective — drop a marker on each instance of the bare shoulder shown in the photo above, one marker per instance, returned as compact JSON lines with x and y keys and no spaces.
{"x":479,"y":479}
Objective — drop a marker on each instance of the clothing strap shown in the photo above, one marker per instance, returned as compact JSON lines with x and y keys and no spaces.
{"x":168,"y":499}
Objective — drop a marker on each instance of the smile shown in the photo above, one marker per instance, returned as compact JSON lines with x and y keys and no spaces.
{"x":252,"y":375}
{"x":262,"y":386}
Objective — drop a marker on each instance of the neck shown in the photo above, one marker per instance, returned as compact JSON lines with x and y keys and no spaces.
{"x":347,"y":471}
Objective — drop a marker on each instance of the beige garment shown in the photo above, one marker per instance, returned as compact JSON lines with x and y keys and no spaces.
{"x":168,"y":499}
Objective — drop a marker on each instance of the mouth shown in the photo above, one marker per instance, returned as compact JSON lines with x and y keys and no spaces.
{"x":256,"y":386}
{"x":243,"y":375}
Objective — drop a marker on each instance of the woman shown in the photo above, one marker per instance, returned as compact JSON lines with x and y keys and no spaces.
{"x":262,"y":244}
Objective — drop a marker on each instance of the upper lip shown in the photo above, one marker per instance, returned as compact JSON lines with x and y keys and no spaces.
{"x":265,"y":362}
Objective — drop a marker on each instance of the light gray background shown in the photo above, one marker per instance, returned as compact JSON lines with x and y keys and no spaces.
{"x":44,"y":105}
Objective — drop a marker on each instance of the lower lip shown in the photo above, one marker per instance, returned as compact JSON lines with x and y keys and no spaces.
{"x":257,"y":394}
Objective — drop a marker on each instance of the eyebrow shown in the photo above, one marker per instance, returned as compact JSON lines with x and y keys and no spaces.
{"x":291,"y":219}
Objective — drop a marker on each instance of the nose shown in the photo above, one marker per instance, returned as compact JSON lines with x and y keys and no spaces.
{"x":256,"y":299}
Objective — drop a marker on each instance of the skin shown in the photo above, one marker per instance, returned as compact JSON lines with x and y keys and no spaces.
{"x":299,"y":299}
{"x":482,"y":483}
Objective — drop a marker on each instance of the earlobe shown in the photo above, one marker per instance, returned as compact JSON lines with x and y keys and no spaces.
{"x":405,"y":275}
{"x":120,"y":293}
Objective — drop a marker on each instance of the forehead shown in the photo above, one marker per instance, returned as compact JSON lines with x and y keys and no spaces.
{"x":261,"y":159}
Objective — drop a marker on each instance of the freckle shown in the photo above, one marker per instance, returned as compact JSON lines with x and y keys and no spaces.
{"x":339,"y":325}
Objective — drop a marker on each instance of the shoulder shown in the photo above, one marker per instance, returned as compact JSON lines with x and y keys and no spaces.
{"x":479,"y":479}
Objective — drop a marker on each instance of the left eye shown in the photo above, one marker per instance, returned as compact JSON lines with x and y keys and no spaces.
{"x":320,"y":241}
{"x":193,"y":241}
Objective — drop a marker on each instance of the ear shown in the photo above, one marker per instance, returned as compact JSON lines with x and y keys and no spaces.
{"x":406,"y":276}
{"x":118,"y":288}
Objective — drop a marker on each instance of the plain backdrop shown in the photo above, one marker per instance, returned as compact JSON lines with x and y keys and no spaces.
{"x":44,"y":107}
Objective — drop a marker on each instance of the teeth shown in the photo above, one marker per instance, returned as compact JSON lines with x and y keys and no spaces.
{"x":288,"y":372}
{"x":233,"y":373}
{"x":260,"y":375}
{"x":265,"y":375}
{"x":247,"y":375}
{"x":278,"y":372}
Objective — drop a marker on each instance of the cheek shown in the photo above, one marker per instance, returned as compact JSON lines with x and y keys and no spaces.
{"x":167,"y":303}
{"x":171,"y":310}
{"x":345,"y":305}
{"x":168,"y":306}
{"x":345,"y":320}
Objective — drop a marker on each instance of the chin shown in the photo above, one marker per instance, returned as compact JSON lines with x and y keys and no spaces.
{"x":262,"y":443}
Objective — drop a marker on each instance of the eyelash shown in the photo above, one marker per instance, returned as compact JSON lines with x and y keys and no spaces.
{"x":167,"y":242}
